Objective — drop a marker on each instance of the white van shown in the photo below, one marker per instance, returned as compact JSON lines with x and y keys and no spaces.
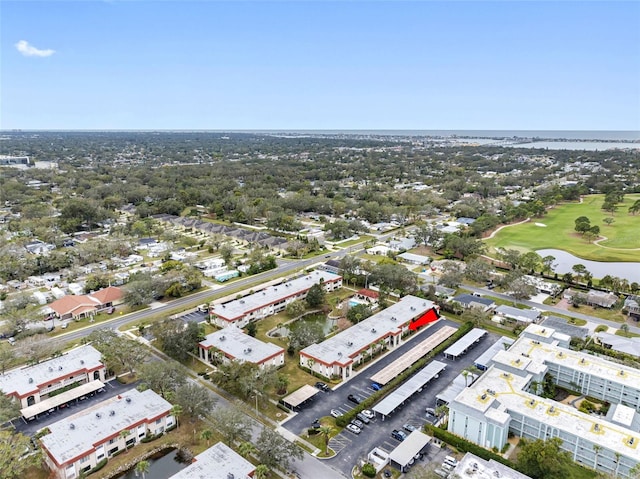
{"x":451,"y":461}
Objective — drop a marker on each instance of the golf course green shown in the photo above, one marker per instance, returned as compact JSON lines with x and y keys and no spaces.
{"x":619,"y":241}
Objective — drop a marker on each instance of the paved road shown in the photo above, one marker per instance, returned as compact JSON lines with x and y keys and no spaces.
{"x":551,"y":309}
{"x":353,"y":447}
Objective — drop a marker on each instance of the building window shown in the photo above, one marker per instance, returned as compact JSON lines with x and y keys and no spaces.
{"x":84,"y":459}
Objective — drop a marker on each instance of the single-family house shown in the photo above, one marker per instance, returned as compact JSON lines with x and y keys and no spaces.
{"x":471,"y":301}
{"x":77,"y":307}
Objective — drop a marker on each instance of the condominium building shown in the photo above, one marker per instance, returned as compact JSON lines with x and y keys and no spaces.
{"x":337,"y":355}
{"x":231,"y":344}
{"x":217,"y":462}
{"x":76,"y":444}
{"x":41,"y":383}
{"x":271,"y":300}
{"x":504,"y":400}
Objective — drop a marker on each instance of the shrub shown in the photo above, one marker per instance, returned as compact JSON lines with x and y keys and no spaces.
{"x":368,"y":470}
{"x":465,"y":446}
{"x":600,"y":328}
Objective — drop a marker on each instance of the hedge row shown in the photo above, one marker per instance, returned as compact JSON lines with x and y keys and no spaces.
{"x":465,"y":446}
{"x":346,"y":418}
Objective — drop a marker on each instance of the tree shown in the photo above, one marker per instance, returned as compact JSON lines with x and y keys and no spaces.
{"x":261,"y":472}
{"x":530,"y":261}
{"x":164,"y":377}
{"x":394,"y":277}
{"x":195,"y":400}
{"x":511,"y":257}
{"x":304,"y":334}
{"x":359,"y":312}
{"x":325,"y":432}
{"x":124,"y":434}
{"x":232,"y":424}
{"x":547,"y":263}
{"x":142,"y":468}
{"x":608,"y":220}
{"x":295,"y":308}
{"x":119,"y":353}
{"x":13,"y":462}
{"x":252,"y":329}
{"x":635,"y":208}
{"x":478,"y":270}
{"x":274,"y":451}
{"x":582,"y":224}
{"x":9,"y":408}
{"x":315,"y":295}
{"x":226,"y":253}
{"x":452,"y":275}
{"x":206,"y":434}
{"x":178,"y":339}
{"x":246,"y":449}
{"x":350,"y":266}
{"x":176,"y":411}
{"x":541,"y":459}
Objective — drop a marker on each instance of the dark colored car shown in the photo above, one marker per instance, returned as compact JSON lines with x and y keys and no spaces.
{"x":353,"y":399}
{"x":399,"y":435}
{"x":363,"y":418}
{"x":376,"y":386}
{"x":322,"y":386}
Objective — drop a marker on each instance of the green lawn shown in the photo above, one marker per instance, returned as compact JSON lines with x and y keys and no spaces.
{"x":622,"y":243}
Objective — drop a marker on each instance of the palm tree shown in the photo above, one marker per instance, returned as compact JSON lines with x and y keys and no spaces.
{"x":246,"y":449}
{"x":465,"y":375}
{"x":142,"y":468}
{"x":618,"y":456}
{"x":325,"y":432}
{"x":176,"y":410}
{"x":596,"y":450}
{"x":206,"y":434}
{"x":123,"y":435}
{"x":261,"y":472}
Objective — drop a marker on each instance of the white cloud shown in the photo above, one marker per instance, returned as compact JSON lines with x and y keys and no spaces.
{"x":30,"y":51}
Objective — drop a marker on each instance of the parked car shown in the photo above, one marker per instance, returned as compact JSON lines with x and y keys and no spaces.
{"x":353,"y":399}
{"x":322,"y":386}
{"x":368,"y":413}
{"x":399,"y":435}
{"x":358,"y":423}
{"x":316,"y":424}
{"x":363,"y":418}
{"x":336,"y":413}
{"x":409,"y":427}
{"x":451,"y":461}
{"x":376,"y":386}
{"x":430,"y":411}
{"x":353,"y":428}
{"x":442,"y":473}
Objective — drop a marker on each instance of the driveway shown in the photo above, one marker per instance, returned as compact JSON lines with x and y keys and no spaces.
{"x":377,"y":433}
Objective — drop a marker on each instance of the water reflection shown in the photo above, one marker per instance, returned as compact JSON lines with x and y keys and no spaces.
{"x":565,"y":261}
{"x":162,"y":465}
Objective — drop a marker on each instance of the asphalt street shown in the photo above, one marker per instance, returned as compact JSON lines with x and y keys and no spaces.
{"x":377,"y":433}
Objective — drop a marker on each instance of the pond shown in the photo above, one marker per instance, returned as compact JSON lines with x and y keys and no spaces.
{"x":565,"y":261}
{"x":316,"y":318}
{"x":162,"y":465}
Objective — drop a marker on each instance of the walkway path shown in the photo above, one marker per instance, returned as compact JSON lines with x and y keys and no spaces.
{"x":493,"y":233}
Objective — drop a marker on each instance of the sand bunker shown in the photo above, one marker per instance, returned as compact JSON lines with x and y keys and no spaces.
{"x":541,"y":224}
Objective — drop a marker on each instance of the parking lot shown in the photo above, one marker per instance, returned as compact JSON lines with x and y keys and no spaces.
{"x":352,"y":447}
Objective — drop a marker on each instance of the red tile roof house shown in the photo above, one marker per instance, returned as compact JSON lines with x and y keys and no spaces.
{"x":77,"y":307}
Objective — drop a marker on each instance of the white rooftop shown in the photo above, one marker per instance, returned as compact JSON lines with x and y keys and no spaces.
{"x":524,"y":315}
{"x":474,"y":467}
{"x":217,"y":462}
{"x":484,"y":359}
{"x":75,"y":436}
{"x":345,"y":345}
{"x":465,"y":342}
{"x":240,"y":346}
{"x":238,"y":308}
{"x":409,"y":448}
{"x":26,"y":380}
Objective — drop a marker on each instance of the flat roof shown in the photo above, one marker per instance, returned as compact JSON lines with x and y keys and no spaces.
{"x":449,"y":393}
{"x":474,"y":467}
{"x":619,"y":343}
{"x":217,"y":462}
{"x":75,"y":436}
{"x":62,"y":398}
{"x":233,"y":342}
{"x":409,"y":448}
{"x":487,"y":356}
{"x":465,"y":298}
{"x":238,"y":308}
{"x":386,"y":374}
{"x":465,"y":342}
{"x":561,"y":324}
{"x":415,"y":257}
{"x":529,"y":315}
{"x":410,"y":387}
{"x":300,"y":395}
{"x":345,"y":345}
{"x":26,"y":380}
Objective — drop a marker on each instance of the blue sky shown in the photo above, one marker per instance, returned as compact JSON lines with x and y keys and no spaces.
{"x":542,"y":65}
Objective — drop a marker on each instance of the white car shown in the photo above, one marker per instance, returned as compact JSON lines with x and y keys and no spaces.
{"x":368,"y":413}
{"x":353,"y":428}
{"x":335,"y":413}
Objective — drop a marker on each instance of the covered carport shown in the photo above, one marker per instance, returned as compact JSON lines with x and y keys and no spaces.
{"x":34,"y":410}
{"x":409,"y":388}
{"x":409,"y":450}
{"x":465,"y":343}
{"x":299,"y":397}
